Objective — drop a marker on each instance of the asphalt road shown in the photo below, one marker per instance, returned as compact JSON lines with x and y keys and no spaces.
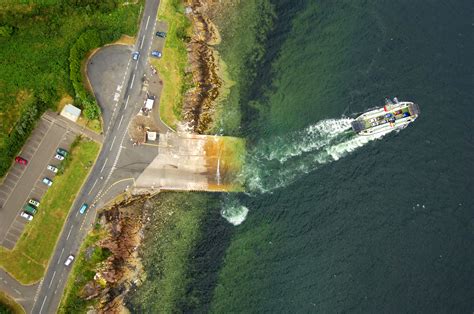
{"x":76,"y":226}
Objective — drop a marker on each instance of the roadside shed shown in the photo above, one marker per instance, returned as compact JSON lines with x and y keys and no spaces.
{"x":71,"y":112}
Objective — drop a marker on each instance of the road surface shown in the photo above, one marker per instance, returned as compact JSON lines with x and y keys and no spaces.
{"x":115,"y":133}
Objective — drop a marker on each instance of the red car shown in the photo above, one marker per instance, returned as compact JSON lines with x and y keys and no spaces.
{"x":20,"y":160}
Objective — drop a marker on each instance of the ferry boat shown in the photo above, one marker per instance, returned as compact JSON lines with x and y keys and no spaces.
{"x":394,"y":115}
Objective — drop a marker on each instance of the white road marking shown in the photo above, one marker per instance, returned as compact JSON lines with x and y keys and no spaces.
{"x":69,"y":233}
{"x":113,"y":141}
{"x":17,"y":291}
{"x":136,"y":65}
{"x":126,"y":103}
{"x":103,"y":166}
{"x":41,"y":309}
{"x":94,"y":185}
{"x":120,"y":121}
{"x":147,"y":20}
{"x":52,"y":278}
{"x":61,"y":255}
{"x":133,"y":80}
{"x":141,"y":45}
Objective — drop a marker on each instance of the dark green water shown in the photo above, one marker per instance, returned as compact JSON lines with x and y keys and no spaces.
{"x":346,"y":225}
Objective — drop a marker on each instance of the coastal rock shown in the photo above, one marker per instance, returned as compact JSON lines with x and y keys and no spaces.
{"x":203,"y":61}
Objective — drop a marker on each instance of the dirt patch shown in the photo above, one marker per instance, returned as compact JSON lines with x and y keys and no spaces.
{"x":65,"y":99}
{"x":139,"y":126}
{"x":125,"y":40}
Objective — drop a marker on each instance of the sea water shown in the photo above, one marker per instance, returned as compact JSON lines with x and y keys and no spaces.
{"x":330,"y":221}
{"x":340,"y":223}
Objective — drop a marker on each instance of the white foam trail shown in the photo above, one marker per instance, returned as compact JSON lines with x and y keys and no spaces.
{"x":282,"y":160}
{"x":278,"y":162}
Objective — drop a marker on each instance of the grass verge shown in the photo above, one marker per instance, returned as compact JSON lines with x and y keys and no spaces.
{"x":171,"y":67}
{"x":8,"y":305}
{"x":28,"y":260}
{"x":89,"y":258}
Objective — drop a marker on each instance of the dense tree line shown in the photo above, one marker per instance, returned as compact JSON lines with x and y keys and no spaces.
{"x":42,"y":46}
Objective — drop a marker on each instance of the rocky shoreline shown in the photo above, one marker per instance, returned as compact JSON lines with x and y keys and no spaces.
{"x":122,"y":270}
{"x":126,"y":221}
{"x":199,"y":105}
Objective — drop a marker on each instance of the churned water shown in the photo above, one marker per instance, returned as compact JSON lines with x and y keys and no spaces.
{"x":340,"y":223}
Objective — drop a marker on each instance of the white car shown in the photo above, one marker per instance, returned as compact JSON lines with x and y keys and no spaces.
{"x":52,"y":168}
{"x":47,"y":181}
{"x":69,"y":260}
{"x":26,"y":216}
{"x":59,"y":157}
{"x":34,"y":202}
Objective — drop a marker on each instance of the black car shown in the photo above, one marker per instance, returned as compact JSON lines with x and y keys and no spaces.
{"x":161,"y":34}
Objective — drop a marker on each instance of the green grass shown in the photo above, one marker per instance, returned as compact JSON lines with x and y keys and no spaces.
{"x":28,"y":260}
{"x":36,"y":38}
{"x":171,"y":67}
{"x":8,"y":305}
{"x":83,"y":270}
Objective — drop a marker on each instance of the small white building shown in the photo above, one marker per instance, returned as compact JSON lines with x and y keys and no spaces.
{"x":71,"y":112}
{"x":151,"y":136}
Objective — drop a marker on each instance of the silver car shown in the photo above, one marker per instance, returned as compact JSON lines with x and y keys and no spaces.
{"x":26,"y":216}
{"x":59,"y":157}
{"x":34,"y":202}
{"x":52,"y":168}
{"x":69,"y":260}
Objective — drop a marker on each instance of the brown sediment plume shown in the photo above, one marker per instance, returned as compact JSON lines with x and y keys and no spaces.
{"x":199,"y":103}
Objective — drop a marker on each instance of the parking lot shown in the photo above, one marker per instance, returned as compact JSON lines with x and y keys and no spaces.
{"x":24,"y":182}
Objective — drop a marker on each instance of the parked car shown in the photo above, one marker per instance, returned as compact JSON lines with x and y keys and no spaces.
{"x":59,"y":157}
{"x":26,"y":216}
{"x":156,"y":54}
{"x":161,"y":34}
{"x":69,"y":260}
{"x":30,"y":209}
{"x":34,"y":202}
{"x":21,"y":160}
{"x":52,"y":168}
{"x":62,"y":151}
{"x":47,"y":181}
{"x":135,"y":55}
{"x":83,"y":208}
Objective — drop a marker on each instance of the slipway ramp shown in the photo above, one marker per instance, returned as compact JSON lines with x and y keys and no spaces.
{"x":191,"y":162}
